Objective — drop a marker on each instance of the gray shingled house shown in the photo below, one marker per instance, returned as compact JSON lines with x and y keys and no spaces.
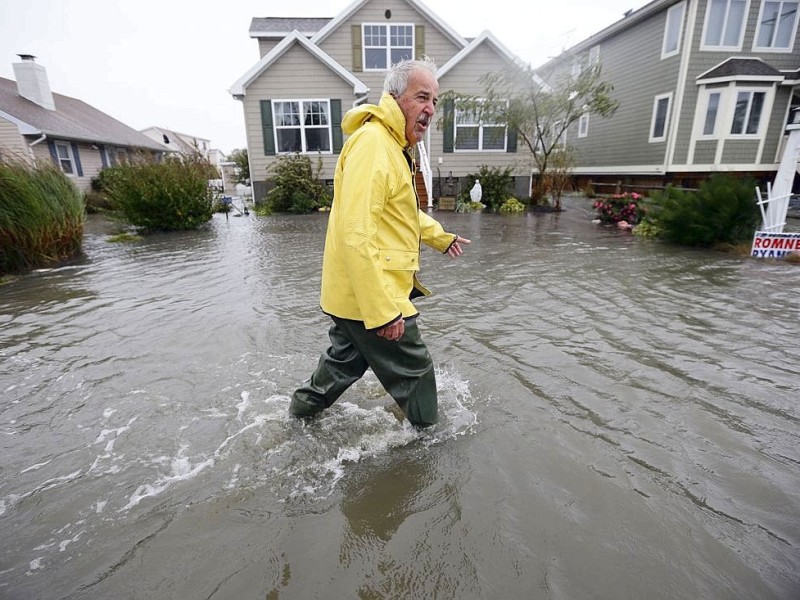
{"x":704,"y":86}
{"x":37,"y":124}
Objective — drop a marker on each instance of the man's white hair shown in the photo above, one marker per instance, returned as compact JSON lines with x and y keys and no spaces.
{"x":396,"y":80}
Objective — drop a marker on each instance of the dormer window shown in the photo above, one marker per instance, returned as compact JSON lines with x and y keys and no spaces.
{"x":385,"y":45}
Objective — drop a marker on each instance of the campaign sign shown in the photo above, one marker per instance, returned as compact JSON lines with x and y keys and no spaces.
{"x":775,"y":245}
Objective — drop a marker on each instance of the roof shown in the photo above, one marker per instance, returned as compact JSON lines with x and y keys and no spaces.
{"x":240,"y":86}
{"x":73,"y":119}
{"x":741,"y":68}
{"x":629,"y":19}
{"x":278,"y":27}
{"x":486,"y":37}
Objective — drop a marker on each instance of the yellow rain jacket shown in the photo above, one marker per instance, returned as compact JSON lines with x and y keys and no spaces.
{"x":372,"y":248}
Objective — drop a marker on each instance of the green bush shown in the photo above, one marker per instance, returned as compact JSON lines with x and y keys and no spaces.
{"x":722,"y":211}
{"x":41,"y":216}
{"x":296,"y":186}
{"x":170,"y":196}
{"x":512,"y":206}
{"x":497,"y":184}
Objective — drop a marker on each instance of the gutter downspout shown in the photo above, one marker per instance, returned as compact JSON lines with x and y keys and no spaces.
{"x":34,"y":142}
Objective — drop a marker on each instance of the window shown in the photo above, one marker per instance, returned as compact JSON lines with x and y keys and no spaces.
{"x":594,"y":55}
{"x":710,"y":123}
{"x":65,"y":158}
{"x":583,"y":126}
{"x":385,"y":45}
{"x":724,"y":25}
{"x":302,"y":125}
{"x":672,"y":30}
{"x":777,"y":25}
{"x":660,"y":121}
{"x":477,"y":129}
{"x":747,"y":113}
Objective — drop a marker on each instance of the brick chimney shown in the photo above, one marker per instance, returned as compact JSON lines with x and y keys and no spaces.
{"x":32,"y":82}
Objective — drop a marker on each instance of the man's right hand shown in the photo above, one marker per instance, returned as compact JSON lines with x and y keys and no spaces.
{"x":393,"y":331}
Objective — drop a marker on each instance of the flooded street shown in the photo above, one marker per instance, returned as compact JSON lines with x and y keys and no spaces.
{"x":619,"y":419}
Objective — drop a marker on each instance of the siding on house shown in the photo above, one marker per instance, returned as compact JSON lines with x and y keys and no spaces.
{"x":631,"y":58}
{"x":465,"y":78}
{"x":280,"y":82}
{"x":339,"y":44}
{"x":632,"y":62}
{"x":12,"y":144}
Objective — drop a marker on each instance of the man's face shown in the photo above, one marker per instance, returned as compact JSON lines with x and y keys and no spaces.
{"x":418,"y":103}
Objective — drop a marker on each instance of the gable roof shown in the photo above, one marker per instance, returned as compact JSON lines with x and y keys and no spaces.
{"x":238,"y":89}
{"x":629,"y":19}
{"x":73,"y":119}
{"x":278,"y":27}
{"x":441,"y":25}
{"x":488,"y":38}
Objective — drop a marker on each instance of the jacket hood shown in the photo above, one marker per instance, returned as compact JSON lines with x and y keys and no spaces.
{"x":387,"y":111}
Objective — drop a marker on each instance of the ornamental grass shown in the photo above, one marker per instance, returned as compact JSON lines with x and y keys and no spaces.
{"x":41,"y":216}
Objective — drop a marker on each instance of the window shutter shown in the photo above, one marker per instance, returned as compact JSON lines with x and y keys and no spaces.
{"x":419,"y":39}
{"x":103,"y":159}
{"x":266,"y":128}
{"x":76,"y":155}
{"x":449,"y":126}
{"x":511,"y":142}
{"x":336,"y":124}
{"x":357,"y":64}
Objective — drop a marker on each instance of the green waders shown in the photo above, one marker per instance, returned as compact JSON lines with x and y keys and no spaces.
{"x":403,"y":367}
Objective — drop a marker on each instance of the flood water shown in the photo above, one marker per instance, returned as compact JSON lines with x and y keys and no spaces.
{"x":619,"y":419}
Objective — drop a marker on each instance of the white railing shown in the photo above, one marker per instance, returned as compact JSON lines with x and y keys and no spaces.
{"x":773,"y":210}
{"x":427,"y":173}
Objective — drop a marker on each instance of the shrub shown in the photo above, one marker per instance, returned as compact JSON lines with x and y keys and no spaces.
{"x":497,"y":184}
{"x":41,"y":216}
{"x":168,"y":196}
{"x":512,"y":206}
{"x":722,"y":211}
{"x":297,"y":187}
{"x":620,"y":207}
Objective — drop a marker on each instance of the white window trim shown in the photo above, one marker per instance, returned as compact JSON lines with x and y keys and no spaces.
{"x":704,"y":99}
{"x":738,"y":46}
{"x":70,"y":157}
{"x":583,"y":126}
{"x":302,"y":127}
{"x":388,"y":27}
{"x":480,"y":125}
{"x":651,"y":138}
{"x":772,"y":49}
{"x":763,"y":117}
{"x":667,"y":53}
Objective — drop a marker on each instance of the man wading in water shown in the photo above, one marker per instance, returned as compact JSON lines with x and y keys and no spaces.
{"x":372,"y":252}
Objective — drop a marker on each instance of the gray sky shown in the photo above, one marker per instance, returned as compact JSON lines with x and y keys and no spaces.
{"x":170,"y":63}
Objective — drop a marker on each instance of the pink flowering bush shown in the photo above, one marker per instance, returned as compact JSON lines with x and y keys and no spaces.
{"x":620,"y":207}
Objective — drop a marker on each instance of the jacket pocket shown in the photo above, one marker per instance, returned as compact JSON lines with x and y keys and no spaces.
{"x":399,"y":260}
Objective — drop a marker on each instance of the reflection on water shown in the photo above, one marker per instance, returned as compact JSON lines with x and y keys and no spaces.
{"x":619,"y":419}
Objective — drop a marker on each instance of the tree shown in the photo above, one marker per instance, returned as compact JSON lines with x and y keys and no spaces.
{"x":539,"y":114}
{"x":239,"y":158}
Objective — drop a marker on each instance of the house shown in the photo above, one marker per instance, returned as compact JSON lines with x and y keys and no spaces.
{"x":37,"y":124}
{"x":704,"y":86}
{"x":182,"y":143}
{"x":312,"y":70}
